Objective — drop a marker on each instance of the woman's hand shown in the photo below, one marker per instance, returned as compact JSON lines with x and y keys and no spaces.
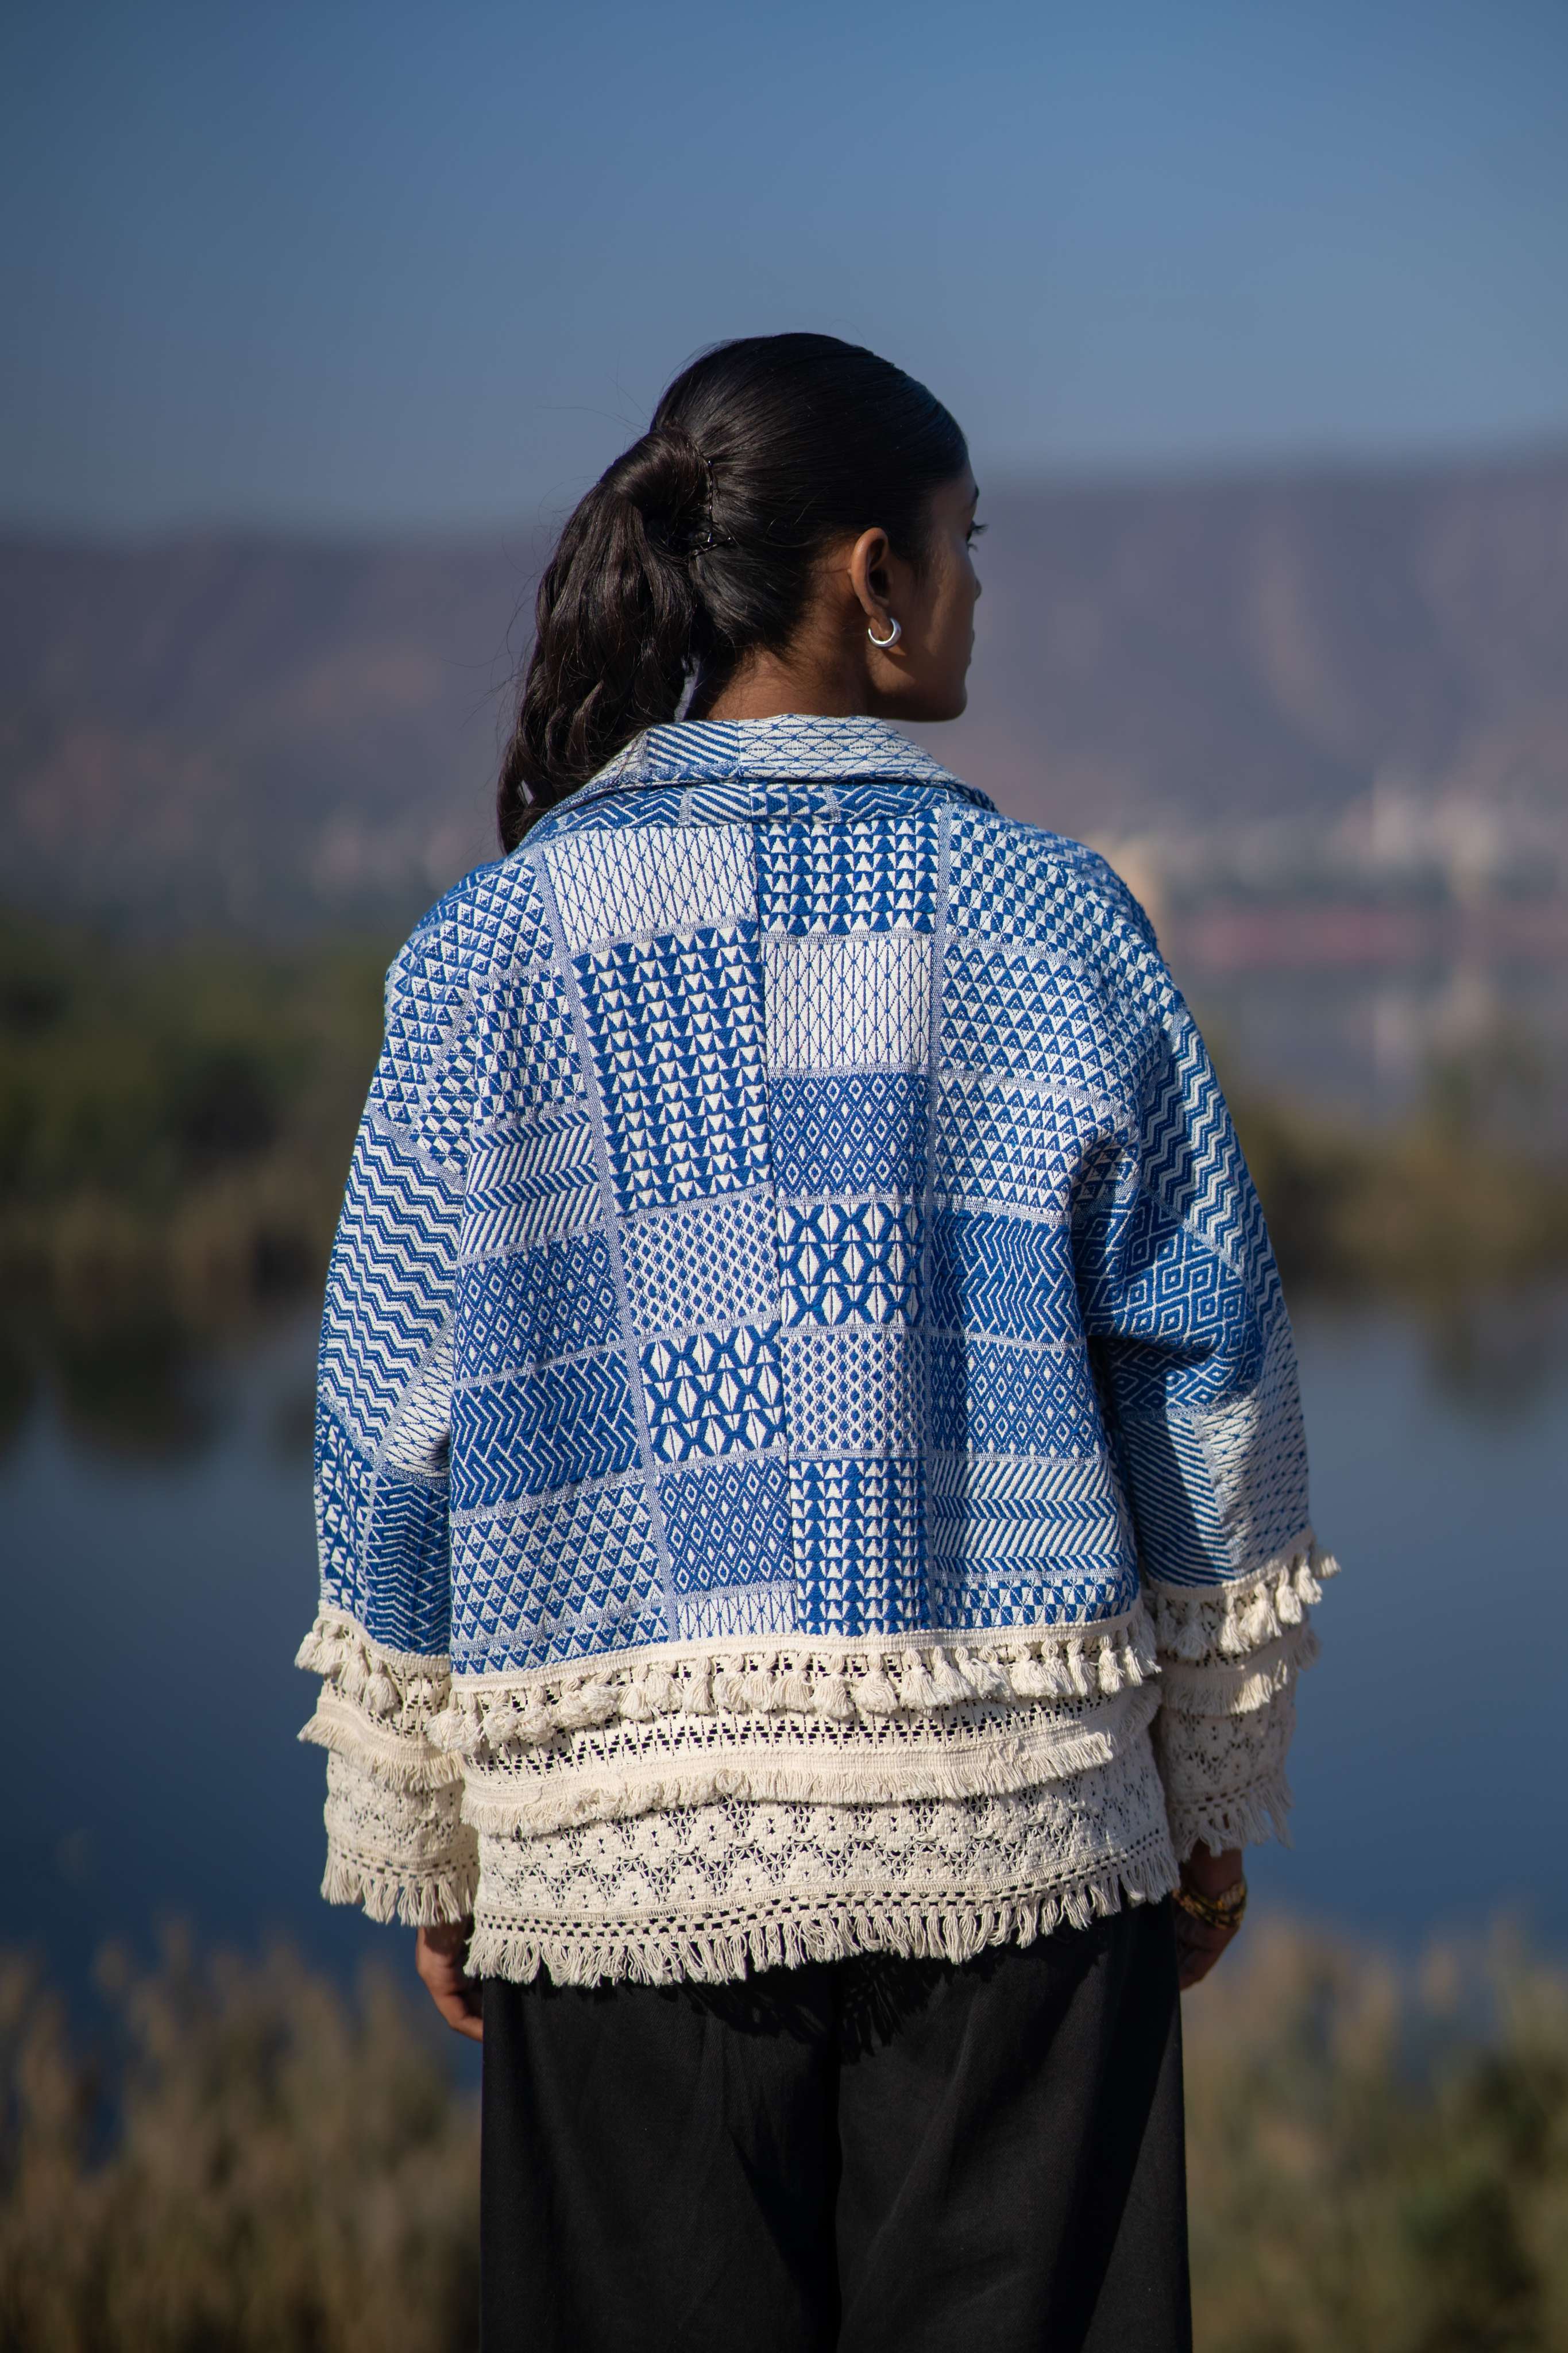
{"x":1199,"y":1946}
{"x":438,"y":1955}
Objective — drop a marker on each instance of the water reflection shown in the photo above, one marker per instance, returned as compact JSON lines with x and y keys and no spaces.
{"x":163,"y":1570}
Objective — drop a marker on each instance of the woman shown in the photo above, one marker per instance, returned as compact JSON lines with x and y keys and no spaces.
{"x":811,"y":1484}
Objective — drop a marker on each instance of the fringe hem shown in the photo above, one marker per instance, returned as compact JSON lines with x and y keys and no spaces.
{"x":1242,"y":1688}
{"x":1211,"y":1625}
{"x":1245,"y":1817}
{"x":712,"y":1952}
{"x":841,"y":1682}
{"x":389,"y":1892}
{"x":994,"y":1767}
{"x":401,"y":1762}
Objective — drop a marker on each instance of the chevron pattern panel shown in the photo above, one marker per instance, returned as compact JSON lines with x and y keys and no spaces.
{"x":791,"y":1197}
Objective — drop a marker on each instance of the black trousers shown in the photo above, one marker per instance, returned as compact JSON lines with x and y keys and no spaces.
{"x":867,"y":2154}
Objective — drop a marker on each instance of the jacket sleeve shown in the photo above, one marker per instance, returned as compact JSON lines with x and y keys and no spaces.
{"x":1198,"y":1369}
{"x":396,"y":1842}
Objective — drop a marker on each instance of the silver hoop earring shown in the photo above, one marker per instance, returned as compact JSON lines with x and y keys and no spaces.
{"x":894,"y":634}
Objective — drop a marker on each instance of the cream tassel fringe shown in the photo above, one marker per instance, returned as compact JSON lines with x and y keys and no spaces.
{"x":1205,"y":1624}
{"x":389,"y":1894}
{"x":1246,"y":1819}
{"x":662,"y":1954}
{"x":902,"y":1676}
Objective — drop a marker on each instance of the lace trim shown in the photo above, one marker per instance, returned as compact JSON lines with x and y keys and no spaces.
{"x":984,"y":1752}
{"x":707,"y":1892}
{"x":402,"y":1856}
{"x":1225,"y":1775}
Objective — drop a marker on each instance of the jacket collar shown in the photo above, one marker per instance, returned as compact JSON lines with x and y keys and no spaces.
{"x":795,"y":748}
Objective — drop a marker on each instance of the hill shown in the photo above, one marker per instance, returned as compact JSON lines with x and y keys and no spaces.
{"x":229,"y":729}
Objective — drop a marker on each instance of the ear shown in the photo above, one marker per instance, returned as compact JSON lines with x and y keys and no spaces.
{"x":869,"y":578}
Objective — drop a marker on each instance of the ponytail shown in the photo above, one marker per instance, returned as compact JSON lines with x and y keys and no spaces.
{"x":698,"y":543}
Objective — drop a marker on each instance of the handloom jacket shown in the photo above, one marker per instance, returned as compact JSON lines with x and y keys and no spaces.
{"x":808,"y":1456}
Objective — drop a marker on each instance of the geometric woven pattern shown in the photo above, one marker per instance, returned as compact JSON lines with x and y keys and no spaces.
{"x":791,"y":1198}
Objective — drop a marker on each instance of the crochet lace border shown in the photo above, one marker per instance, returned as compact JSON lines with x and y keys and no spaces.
{"x":809,"y":1928}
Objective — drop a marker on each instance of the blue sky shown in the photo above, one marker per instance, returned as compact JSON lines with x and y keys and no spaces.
{"x":334,"y":264}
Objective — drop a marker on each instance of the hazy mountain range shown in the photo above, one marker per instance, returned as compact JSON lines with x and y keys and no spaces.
{"x":230,"y":728}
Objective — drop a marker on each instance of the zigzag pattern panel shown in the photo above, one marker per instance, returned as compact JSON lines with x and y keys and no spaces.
{"x":516,"y":1313}
{"x":857,"y":1132}
{"x":532,"y":1432}
{"x":1193,"y":1163}
{"x":388,"y":1285}
{"x":532,"y":1185}
{"x":676,"y":1030}
{"x":858,"y":1545}
{"x":1010,"y":1278}
{"x":727,"y":1526}
{"x":578,"y":1573}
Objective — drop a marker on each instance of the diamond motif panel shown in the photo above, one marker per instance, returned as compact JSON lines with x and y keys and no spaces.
{"x":519,"y":1312}
{"x":727,"y":1526}
{"x":705,"y":1266}
{"x":856,"y":1390}
{"x":861,"y":1132}
{"x":529,"y":1057}
{"x":1039,"y":1014}
{"x":998,"y":1398}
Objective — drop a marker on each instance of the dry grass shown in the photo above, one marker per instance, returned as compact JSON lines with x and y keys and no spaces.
{"x":1379,"y":2162}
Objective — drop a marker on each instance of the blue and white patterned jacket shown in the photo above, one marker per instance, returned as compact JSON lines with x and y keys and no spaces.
{"x":797,"y":1264}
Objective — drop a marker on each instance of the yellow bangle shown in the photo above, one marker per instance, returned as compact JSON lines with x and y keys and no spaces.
{"x":1215,"y":1911}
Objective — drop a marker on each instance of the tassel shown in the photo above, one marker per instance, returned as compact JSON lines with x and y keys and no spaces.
{"x":1256,"y":1623}
{"x":795,"y":1692}
{"x":762,"y":1692}
{"x":537,"y":1723}
{"x":589,"y":1704}
{"x":663,"y":1693}
{"x":988,"y":1678}
{"x":1032,"y":1677}
{"x":380,"y":1694}
{"x":698,"y":1695}
{"x":310,"y":1652}
{"x":832,"y":1699}
{"x":355,"y":1676}
{"x":502,"y":1725}
{"x":1075,"y":1667}
{"x":636,"y":1705}
{"x":1110,"y":1669}
{"x":917,"y":1691}
{"x":951,"y":1688}
{"x":730,"y":1691}
{"x":875,"y":1696}
{"x":1287,"y":1605}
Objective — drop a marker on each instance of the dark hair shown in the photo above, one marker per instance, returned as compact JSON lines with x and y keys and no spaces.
{"x":698,"y":543}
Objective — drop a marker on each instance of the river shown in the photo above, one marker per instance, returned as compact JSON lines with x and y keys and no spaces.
{"x":155,"y":1602}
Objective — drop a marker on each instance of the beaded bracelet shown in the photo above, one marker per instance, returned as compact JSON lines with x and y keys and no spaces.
{"x":1215,"y":1911}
